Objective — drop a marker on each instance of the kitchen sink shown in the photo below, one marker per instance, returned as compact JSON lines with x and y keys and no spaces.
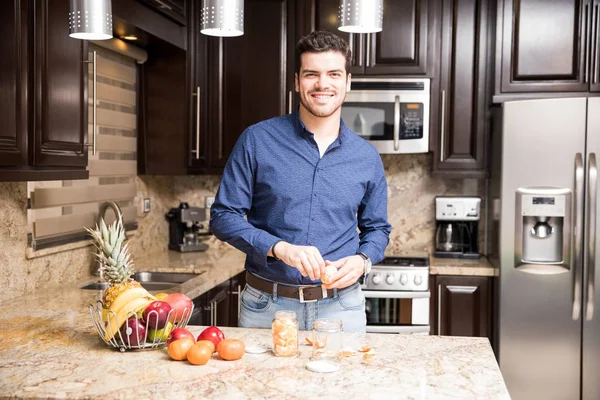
{"x":152,"y":281}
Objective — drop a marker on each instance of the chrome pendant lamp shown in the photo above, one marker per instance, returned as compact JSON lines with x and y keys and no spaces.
{"x":223,"y":18}
{"x":90,"y":19}
{"x":361,"y":16}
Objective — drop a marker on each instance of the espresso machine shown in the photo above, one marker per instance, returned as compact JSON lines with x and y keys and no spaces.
{"x":457,"y":227}
{"x":187,"y":231}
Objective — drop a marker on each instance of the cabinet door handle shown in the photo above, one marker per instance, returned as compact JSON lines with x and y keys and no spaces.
{"x":591,"y":231}
{"x":461,"y":289}
{"x":351,"y":45}
{"x":220,"y":138}
{"x":197,"y":94}
{"x":238,"y":293}
{"x":439,"y":310}
{"x":360,"y":49}
{"x":94,"y":99}
{"x":396,"y":123}
{"x":368,"y":51}
{"x":578,"y":197}
{"x":443,"y":126}
{"x":290,"y":94}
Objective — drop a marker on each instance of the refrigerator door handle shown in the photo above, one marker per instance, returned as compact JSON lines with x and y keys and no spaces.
{"x":577,"y":235}
{"x":591,"y":232}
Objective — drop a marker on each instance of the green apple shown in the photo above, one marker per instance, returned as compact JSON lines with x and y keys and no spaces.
{"x":159,"y":335}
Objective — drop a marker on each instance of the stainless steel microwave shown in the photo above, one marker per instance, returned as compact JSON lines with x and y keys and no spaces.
{"x":391,"y":113}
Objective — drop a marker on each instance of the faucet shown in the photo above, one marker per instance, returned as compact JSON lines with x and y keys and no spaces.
{"x":101,"y":213}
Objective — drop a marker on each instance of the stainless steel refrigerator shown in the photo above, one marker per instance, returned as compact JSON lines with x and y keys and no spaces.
{"x":542,"y":215}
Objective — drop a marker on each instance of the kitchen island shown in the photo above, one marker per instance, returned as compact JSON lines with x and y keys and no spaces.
{"x":50,"y":349}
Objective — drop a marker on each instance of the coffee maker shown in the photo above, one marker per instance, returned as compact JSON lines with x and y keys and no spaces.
{"x":186,"y":230}
{"x":457,"y":227}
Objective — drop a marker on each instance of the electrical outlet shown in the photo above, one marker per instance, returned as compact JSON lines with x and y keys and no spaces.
{"x":208,"y":202}
{"x":146,"y":205}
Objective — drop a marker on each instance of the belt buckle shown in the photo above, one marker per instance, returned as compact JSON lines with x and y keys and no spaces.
{"x":301,"y":294}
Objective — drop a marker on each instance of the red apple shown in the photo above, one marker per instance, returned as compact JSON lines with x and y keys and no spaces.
{"x":213,"y":334}
{"x":133,"y":332}
{"x":179,"y":333}
{"x":181,"y":304}
{"x":156,"y":314}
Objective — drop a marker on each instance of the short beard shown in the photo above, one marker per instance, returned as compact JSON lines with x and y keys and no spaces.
{"x":317,"y":112}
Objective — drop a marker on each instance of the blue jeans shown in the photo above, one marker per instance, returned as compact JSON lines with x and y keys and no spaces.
{"x":258,"y":309}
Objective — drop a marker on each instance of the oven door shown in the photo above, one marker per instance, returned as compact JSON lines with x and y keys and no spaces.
{"x":397,"y":312}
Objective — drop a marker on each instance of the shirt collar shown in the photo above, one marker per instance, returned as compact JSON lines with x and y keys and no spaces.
{"x":304,"y":132}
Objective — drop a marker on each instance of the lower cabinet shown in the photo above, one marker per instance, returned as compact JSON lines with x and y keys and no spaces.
{"x":461,"y":306}
{"x":220,"y":305}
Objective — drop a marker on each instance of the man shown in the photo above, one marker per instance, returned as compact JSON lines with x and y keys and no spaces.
{"x":305,"y":183}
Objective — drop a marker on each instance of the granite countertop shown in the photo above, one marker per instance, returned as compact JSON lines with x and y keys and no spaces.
{"x":50,"y":349}
{"x":461,"y":266}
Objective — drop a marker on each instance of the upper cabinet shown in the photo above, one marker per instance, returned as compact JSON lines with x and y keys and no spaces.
{"x":463,"y":99}
{"x":547,"y":46}
{"x":196,"y":104}
{"x":402,"y":48}
{"x":43,"y":101}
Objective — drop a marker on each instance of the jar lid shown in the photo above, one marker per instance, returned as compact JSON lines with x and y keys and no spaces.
{"x":255,"y":349}
{"x":285,"y":314}
{"x":322,"y":366}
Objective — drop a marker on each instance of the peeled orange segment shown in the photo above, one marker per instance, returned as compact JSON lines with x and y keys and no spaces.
{"x":308,"y":340}
{"x":346,"y":353}
{"x":368,"y":355}
{"x":364,"y":349}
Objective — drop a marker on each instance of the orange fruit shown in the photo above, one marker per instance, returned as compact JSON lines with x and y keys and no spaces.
{"x":178,"y":349}
{"x":231,"y":349}
{"x":208,"y":343}
{"x":199,"y":353}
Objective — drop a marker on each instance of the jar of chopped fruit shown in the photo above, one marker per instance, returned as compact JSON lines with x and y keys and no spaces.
{"x":285,"y":333}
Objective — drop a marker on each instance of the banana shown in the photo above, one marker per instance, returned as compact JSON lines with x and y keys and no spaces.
{"x":116,"y":320}
{"x":127,"y":296}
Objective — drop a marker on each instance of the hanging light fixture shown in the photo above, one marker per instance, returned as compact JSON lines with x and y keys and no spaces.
{"x":361,"y":16}
{"x":90,"y":19}
{"x":222,"y":17}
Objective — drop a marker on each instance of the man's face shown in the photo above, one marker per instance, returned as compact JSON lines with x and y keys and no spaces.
{"x":322,"y":82}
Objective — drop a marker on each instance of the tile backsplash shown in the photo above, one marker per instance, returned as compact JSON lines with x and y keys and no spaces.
{"x":411,"y":212}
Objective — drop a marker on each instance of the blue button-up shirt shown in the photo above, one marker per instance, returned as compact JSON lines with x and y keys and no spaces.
{"x":276,"y":178}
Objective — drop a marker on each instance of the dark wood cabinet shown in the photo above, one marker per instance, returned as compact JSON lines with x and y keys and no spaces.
{"x":547,"y":47}
{"x":219,"y":306}
{"x":461,"y":141}
{"x":174,"y":9}
{"x":44,"y":98}
{"x":462,"y":306}
{"x":404,"y":47}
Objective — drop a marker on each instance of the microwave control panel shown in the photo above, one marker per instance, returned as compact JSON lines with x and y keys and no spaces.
{"x":411,"y":120}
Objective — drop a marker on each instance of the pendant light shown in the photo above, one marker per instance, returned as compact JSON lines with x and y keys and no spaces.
{"x":90,"y":19}
{"x":361,"y":16}
{"x":222,"y":18}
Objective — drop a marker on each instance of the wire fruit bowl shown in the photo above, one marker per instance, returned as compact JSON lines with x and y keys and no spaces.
{"x":123,"y":342}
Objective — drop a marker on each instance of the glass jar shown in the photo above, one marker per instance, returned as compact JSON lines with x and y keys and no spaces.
{"x":327,"y":339}
{"x":285,"y":333}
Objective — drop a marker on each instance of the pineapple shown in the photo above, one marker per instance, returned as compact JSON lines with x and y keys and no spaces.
{"x":116,"y":265}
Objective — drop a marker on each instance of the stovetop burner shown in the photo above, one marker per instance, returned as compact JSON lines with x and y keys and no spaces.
{"x":404,"y":262}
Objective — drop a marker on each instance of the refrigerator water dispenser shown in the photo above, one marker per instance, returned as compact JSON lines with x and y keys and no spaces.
{"x":543,"y":230}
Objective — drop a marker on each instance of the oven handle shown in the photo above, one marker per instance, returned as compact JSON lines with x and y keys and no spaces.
{"x":393,"y":294}
{"x":396,"y":123}
{"x":398,"y":329}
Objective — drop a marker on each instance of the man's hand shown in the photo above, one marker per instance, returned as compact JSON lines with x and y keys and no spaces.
{"x":306,"y":259}
{"x":349,"y":270}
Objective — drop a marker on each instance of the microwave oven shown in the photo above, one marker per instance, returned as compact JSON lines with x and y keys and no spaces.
{"x":390,"y":113}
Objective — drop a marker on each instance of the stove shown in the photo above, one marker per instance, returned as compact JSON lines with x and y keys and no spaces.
{"x":397,"y":295}
{"x":405,"y":273}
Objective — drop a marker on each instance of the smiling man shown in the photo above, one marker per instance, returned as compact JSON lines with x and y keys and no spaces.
{"x":302,"y":194}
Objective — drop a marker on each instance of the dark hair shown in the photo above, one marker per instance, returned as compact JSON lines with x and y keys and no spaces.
{"x":322,"y":41}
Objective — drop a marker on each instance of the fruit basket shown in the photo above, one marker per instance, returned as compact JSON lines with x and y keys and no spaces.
{"x":135,"y":333}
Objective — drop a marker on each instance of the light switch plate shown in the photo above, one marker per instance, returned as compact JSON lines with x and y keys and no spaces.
{"x":146,"y":205}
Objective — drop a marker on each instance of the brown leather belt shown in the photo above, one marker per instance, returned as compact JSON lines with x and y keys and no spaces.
{"x":305,"y":294}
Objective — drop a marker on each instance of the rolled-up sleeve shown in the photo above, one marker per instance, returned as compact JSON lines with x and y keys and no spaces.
{"x":233,"y":201}
{"x":373,"y":217}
